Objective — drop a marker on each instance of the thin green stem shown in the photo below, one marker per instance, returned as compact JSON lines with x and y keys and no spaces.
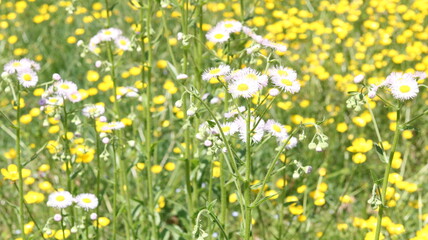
{"x":247,"y":186}
{"x":385,"y":178}
{"x":18,"y":157}
{"x":147,"y":17}
{"x":98,"y":160}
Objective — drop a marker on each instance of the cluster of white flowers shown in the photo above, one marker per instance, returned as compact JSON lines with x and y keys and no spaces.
{"x":247,"y":82}
{"x":25,"y":70}
{"x":107,"y":35}
{"x":64,"y":199}
{"x":237,"y":124}
{"x":403,"y":86}
{"x":59,"y":91}
{"x":221,"y":33}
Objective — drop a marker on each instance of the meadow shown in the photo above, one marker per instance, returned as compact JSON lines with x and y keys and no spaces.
{"x":198,"y":119}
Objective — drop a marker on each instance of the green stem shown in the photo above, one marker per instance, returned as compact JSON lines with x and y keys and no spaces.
{"x":18,"y":157}
{"x":148,"y":134}
{"x":98,"y":160}
{"x":114,"y":190}
{"x":247,"y":186}
{"x":385,"y":178}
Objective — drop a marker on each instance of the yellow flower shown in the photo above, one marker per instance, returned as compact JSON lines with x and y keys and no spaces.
{"x":170,"y":166}
{"x":359,"y":158}
{"x":156,"y":169}
{"x":34,"y":197}
{"x":62,"y":234}
{"x":12,"y":173}
{"x":360,"y":145}
{"x":102,"y":222}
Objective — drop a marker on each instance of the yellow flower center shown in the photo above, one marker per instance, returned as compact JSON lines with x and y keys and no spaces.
{"x":60,"y":198}
{"x":122,"y":42}
{"x":107,"y":32}
{"x":242,"y":87}
{"x":228,"y":25}
{"x":16,"y":64}
{"x":65,"y":86}
{"x":283,"y":72}
{"x":276,"y":128}
{"x":219,"y":36}
{"x":404,"y":89}
{"x":286,"y":82}
{"x":86,"y":200}
{"x":252,"y":76}
{"x":27,"y":77}
{"x":225,"y":128}
{"x":214,"y":71}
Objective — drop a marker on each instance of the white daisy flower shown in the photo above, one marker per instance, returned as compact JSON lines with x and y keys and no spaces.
{"x":291,"y":86}
{"x":23,"y":65}
{"x":251,"y":75}
{"x":405,"y":89}
{"x":86,"y":201}
{"x":217,"y":35}
{"x":420,"y":75}
{"x":215,"y":72}
{"x":231,"y":26}
{"x":283,"y":72}
{"x":65,"y":88}
{"x":228,"y":128}
{"x":292,"y":143}
{"x":123,"y":43}
{"x":127,"y":92}
{"x":28,"y":78}
{"x":55,"y":101}
{"x":276,"y":129}
{"x":93,"y":43}
{"x":109,"y":34}
{"x":274,"y":92}
{"x":93,"y":111}
{"x":75,"y":97}
{"x":256,"y":135}
{"x":61,"y":199}
{"x":243,"y":88}
{"x":32,"y":64}
{"x":113,"y":126}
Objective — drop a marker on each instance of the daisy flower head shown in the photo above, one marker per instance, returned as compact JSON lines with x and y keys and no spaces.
{"x":54,"y":101}
{"x":243,"y":88}
{"x":28,"y":78}
{"x":123,"y":43}
{"x":250,"y":75}
{"x":127,"y":92}
{"x":23,"y":65}
{"x":60,"y":199}
{"x":93,"y":111}
{"x":283,"y":72}
{"x":217,"y":35}
{"x":286,"y":84}
{"x":231,"y":26}
{"x":93,"y":43}
{"x":65,"y":88}
{"x":109,"y":34}
{"x":113,"y":126}
{"x":86,"y":201}
{"x":292,"y":143}
{"x":215,"y":72}
{"x":420,"y":75}
{"x":276,"y":129}
{"x":228,"y":128}
{"x":405,"y":89}
{"x":74,"y":97}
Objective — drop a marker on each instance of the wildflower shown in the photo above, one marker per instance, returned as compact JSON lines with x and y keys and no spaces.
{"x":86,"y":201}
{"x":75,"y":97}
{"x":109,"y":34}
{"x":27,"y":78}
{"x":218,"y":35}
{"x":57,"y":217}
{"x":249,"y":75}
{"x":113,"y":126}
{"x":358,"y":78}
{"x":286,"y":84}
{"x":283,"y":72}
{"x":23,"y":65}
{"x":93,"y":111}
{"x":405,"y":89}
{"x":34,"y":197}
{"x":64,"y":88}
{"x":215,"y":72}
{"x":182,"y":76}
{"x":60,"y":199}
{"x":275,"y":128}
{"x":12,"y":172}
{"x":123,"y":43}
{"x":273,"y":92}
{"x":243,"y":88}
{"x":231,"y":26}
